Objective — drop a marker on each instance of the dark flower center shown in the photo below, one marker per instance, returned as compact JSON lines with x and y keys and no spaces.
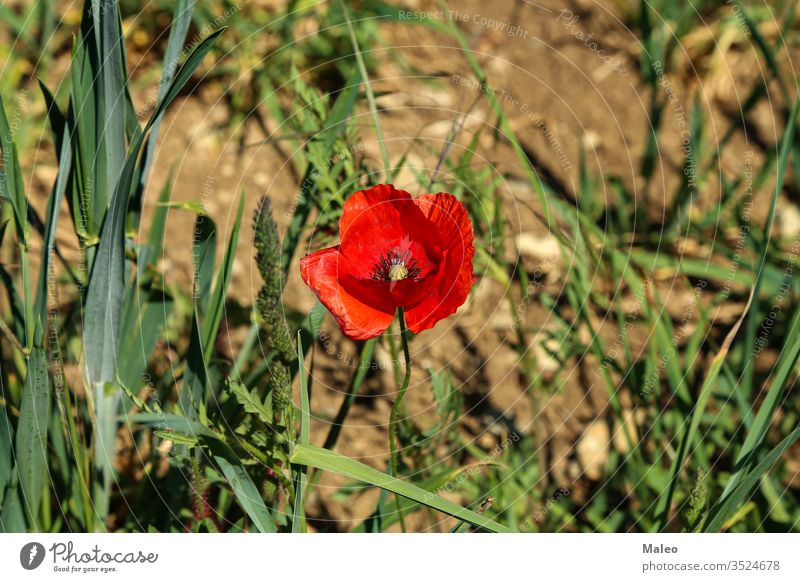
{"x":396,"y":265}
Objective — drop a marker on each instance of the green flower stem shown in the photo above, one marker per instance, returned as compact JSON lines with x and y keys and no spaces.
{"x":390,"y":339}
{"x":397,"y":408}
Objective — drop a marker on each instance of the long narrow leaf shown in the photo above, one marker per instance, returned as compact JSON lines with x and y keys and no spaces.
{"x":181,"y":19}
{"x":665,"y":501}
{"x":6,"y":452}
{"x":216,"y":306}
{"x":298,"y":513}
{"x":107,"y":284}
{"x":31,"y":441}
{"x":53,"y":211}
{"x":763,"y":420}
{"x":336,"y":463}
{"x":247,"y":494}
{"x":10,"y":177}
{"x":726,"y":507}
{"x":112,"y":79}
{"x":783,"y":161}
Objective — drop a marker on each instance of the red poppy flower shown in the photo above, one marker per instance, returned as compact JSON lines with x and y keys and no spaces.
{"x":395,"y":251}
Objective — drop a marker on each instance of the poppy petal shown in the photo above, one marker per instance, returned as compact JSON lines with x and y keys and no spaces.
{"x":358,"y":321}
{"x":382,"y":219}
{"x":447,"y":212}
{"x":455,"y":276}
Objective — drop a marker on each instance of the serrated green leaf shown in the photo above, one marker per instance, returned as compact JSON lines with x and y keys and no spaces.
{"x":250,"y":401}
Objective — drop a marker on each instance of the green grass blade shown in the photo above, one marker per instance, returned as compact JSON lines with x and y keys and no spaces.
{"x":298,"y":514}
{"x":216,"y":306}
{"x":142,"y":326}
{"x":763,"y":420}
{"x":112,"y":79}
{"x":373,"y":108}
{"x":16,"y":308}
{"x":158,"y":224}
{"x":204,"y":251}
{"x":81,"y":123}
{"x":408,"y":506}
{"x":6,"y":452}
{"x":11,"y":188}
{"x":247,"y":494}
{"x":107,"y":284}
{"x":146,"y":312}
{"x":52,"y":213}
{"x":184,"y":74}
{"x":182,"y":18}
{"x":726,"y":507}
{"x":497,"y":109}
{"x":173,"y":422}
{"x":10,"y":178}
{"x":305,"y":405}
{"x":762,"y":45}
{"x":57,"y":120}
{"x":783,"y":160}
{"x":195,"y":381}
{"x":31,"y":438}
{"x":12,"y":518}
{"x":665,"y":501}
{"x":329,"y":461}
{"x":107,"y":400}
{"x":104,"y":300}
